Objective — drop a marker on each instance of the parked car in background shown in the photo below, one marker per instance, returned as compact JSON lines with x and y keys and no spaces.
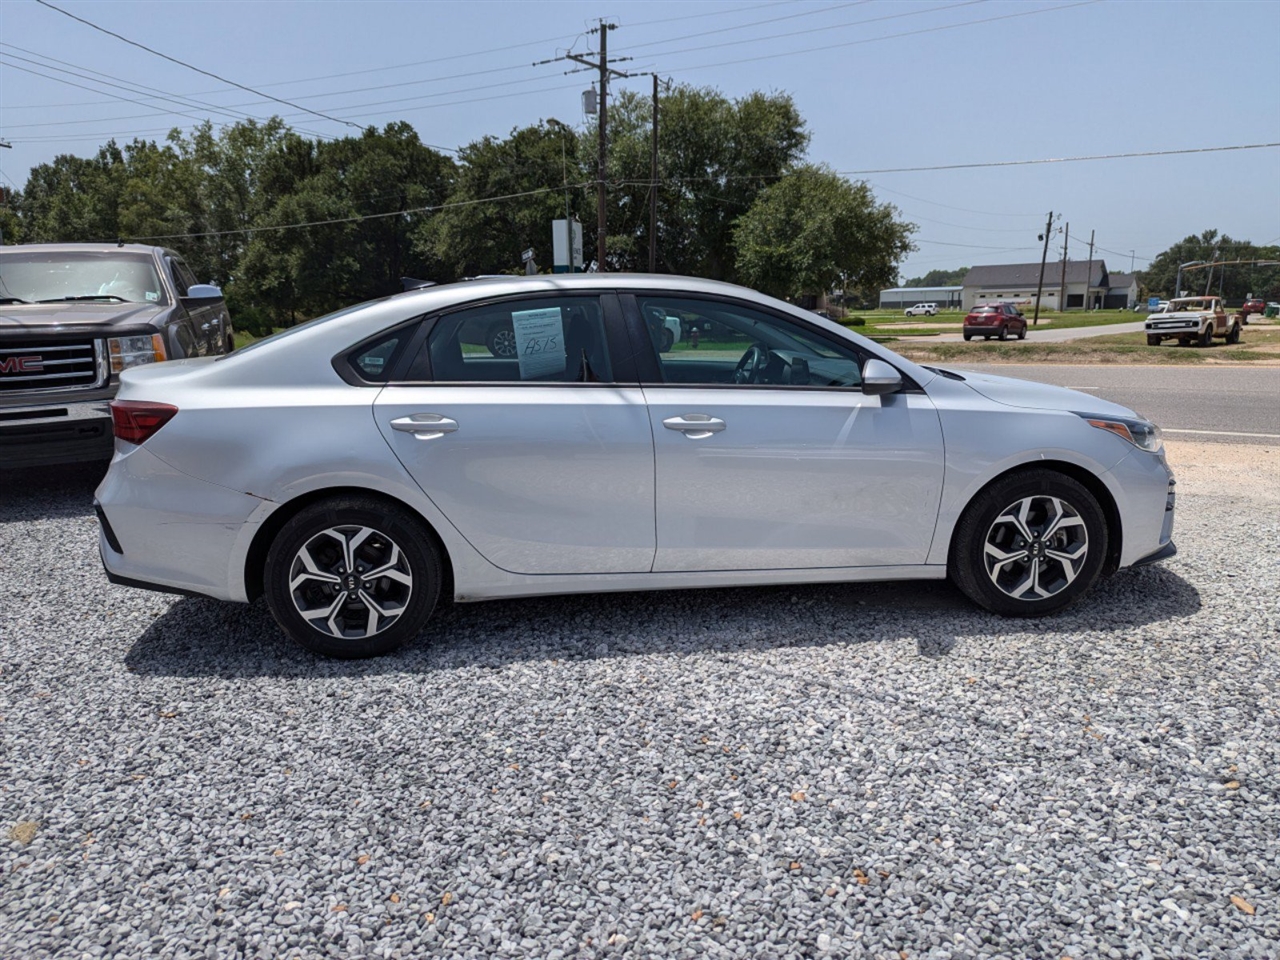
{"x":1251,"y":306}
{"x":1193,"y":320}
{"x":998,"y":320}
{"x":922,"y":310}
{"x":353,"y":467}
{"x":73,"y":317}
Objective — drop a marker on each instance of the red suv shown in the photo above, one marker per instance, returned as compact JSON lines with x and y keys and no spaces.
{"x":1253,"y":305}
{"x":988,"y":320}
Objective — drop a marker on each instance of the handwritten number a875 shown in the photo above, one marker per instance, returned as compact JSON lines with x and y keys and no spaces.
{"x":541,"y":345}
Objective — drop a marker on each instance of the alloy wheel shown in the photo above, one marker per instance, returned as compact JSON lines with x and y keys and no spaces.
{"x":503,"y":344}
{"x":350,"y":582}
{"x":1036,"y":547}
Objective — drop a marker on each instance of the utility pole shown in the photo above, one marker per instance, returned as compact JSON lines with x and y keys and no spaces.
{"x":1048,"y":225}
{"x":653,"y":186}
{"x":602,"y":149}
{"x":1062,"y":288}
{"x":1088,"y":274}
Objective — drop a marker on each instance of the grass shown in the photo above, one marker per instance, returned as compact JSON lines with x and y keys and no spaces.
{"x":1258,"y":344}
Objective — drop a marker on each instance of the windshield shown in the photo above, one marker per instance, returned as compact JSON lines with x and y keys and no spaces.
{"x":53,"y":276}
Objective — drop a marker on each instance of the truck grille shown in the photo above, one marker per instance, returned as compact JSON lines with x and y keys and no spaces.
{"x":44,"y":366}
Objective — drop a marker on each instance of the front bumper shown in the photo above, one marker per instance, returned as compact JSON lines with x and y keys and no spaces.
{"x":1145,"y":496}
{"x":54,"y":433}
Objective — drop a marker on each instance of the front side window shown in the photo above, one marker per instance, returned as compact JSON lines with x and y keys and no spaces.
{"x":532,"y":340}
{"x":732,"y":344}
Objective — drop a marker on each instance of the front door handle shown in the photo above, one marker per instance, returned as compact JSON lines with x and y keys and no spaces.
{"x":425,"y":426}
{"x":695,"y":426}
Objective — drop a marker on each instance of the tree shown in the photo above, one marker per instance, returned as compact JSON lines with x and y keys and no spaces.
{"x":939,"y":278}
{"x":813,"y":231}
{"x":1232,"y":281}
{"x":715,"y":156}
{"x":473,"y":237}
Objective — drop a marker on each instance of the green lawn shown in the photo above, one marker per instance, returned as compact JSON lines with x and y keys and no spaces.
{"x":1257,"y":344}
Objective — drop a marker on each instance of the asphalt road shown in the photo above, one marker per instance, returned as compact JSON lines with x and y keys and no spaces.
{"x":1215,"y":403}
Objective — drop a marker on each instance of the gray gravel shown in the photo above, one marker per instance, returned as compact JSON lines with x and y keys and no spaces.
{"x":844,"y":771}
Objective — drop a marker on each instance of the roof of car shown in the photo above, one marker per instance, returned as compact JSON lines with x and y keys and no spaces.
{"x":80,"y":248}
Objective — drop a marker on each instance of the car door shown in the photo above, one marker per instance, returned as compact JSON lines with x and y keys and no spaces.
{"x":543,"y":461}
{"x":769,"y":456}
{"x":205,"y":320}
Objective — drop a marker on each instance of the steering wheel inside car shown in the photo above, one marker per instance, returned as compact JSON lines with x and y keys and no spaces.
{"x":753,"y":364}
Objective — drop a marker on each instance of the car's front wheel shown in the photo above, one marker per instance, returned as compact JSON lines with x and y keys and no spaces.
{"x":1029,"y":544}
{"x":1152,"y":341}
{"x":1233,"y":335}
{"x":352,"y":577}
{"x":1206,"y":337}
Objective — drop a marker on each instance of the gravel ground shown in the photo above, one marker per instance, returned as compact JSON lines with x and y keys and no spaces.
{"x":844,"y":771}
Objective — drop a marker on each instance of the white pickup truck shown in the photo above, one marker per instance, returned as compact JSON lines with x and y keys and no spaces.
{"x":1192,"y":320}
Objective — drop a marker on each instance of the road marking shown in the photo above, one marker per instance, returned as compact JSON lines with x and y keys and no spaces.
{"x":1222,"y":433}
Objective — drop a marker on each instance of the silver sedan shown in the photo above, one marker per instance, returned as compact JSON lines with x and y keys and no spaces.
{"x":357,"y":468}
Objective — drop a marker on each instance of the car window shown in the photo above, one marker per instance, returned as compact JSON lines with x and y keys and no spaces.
{"x":728,"y":343}
{"x":38,"y":276}
{"x":537,"y":339}
{"x":183,"y":278}
{"x":374,"y":361}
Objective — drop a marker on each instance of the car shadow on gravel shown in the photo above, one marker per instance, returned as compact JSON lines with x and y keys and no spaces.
{"x":197,"y":637}
{"x":45,"y":493}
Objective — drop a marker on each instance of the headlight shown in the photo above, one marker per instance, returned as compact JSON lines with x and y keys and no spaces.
{"x":1141,"y":433}
{"x":129,"y":352}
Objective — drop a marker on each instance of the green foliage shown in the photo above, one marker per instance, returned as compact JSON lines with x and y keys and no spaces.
{"x":939,"y":278}
{"x":470,"y":238}
{"x":815,"y":231}
{"x":715,"y":157}
{"x":1234,"y":281}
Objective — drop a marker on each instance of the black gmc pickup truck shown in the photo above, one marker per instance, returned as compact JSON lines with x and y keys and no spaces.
{"x":72,"y":317}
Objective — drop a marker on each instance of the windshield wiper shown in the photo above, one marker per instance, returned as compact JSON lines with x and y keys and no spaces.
{"x":13,"y":300}
{"x":94,"y":296}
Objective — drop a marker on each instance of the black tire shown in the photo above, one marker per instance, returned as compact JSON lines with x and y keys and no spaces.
{"x":967,"y":337}
{"x":1022,"y":334}
{"x":668,"y":339}
{"x":392,"y":526}
{"x":1184,"y":341}
{"x":501,"y":341}
{"x":1205,"y":339}
{"x":978,"y":524}
{"x":1233,"y":335}
{"x":1004,"y":333}
{"x":1153,"y":341}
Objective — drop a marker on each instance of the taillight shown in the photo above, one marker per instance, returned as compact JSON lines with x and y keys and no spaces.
{"x":135,"y":421}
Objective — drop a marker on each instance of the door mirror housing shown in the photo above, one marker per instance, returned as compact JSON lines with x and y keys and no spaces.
{"x":879,"y":378}
{"x":201,"y":294}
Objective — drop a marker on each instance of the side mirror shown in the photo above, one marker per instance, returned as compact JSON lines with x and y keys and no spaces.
{"x":880,"y":378}
{"x":203,"y":291}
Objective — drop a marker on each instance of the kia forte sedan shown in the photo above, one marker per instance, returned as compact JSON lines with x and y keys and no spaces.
{"x":357,"y":468}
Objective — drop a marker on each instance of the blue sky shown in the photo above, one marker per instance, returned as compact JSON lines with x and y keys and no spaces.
{"x":1037,"y":79}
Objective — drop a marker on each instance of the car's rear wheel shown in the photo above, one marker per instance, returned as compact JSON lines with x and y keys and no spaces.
{"x":1022,"y":334}
{"x":967,"y":337}
{"x":1004,"y":333}
{"x":352,"y":577}
{"x":501,"y":341}
{"x":1029,"y":544}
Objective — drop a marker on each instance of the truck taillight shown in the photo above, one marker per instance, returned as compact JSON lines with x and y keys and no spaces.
{"x":135,"y":421}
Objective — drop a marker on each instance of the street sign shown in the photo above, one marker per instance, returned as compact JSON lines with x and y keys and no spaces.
{"x":527,"y":255}
{"x":1153,"y":304}
{"x":566,"y":243}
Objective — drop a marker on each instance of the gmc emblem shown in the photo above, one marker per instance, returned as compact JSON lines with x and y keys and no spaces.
{"x":21,"y":364}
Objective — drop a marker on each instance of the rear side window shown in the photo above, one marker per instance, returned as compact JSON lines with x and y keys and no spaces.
{"x":535,"y":340}
{"x":373,"y":362}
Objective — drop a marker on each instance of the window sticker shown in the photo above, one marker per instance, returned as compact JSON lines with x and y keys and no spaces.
{"x":153,"y":296}
{"x":539,"y":341}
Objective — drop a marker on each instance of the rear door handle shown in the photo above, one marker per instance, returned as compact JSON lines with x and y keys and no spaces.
{"x":695,"y":426}
{"x":425,"y":426}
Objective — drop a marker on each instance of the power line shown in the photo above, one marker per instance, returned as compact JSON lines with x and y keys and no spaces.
{"x":892,"y":36}
{"x":181,"y":63}
{"x":367,"y":216}
{"x":934,"y":203}
{"x":1023,"y":163}
{"x":696,"y":16}
{"x":822,"y":29}
{"x":744,"y":26}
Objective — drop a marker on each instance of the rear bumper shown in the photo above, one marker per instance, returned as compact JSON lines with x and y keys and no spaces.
{"x":1164,"y":553}
{"x":164,"y":530}
{"x":55,"y":433}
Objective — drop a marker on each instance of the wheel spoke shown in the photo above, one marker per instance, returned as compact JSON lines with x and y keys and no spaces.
{"x":310,"y":570}
{"x":388,"y":569}
{"x":1002,"y":558}
{"x":366,"y":602}
{"x":327,"y":613}
{"x":1036,"y":547}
